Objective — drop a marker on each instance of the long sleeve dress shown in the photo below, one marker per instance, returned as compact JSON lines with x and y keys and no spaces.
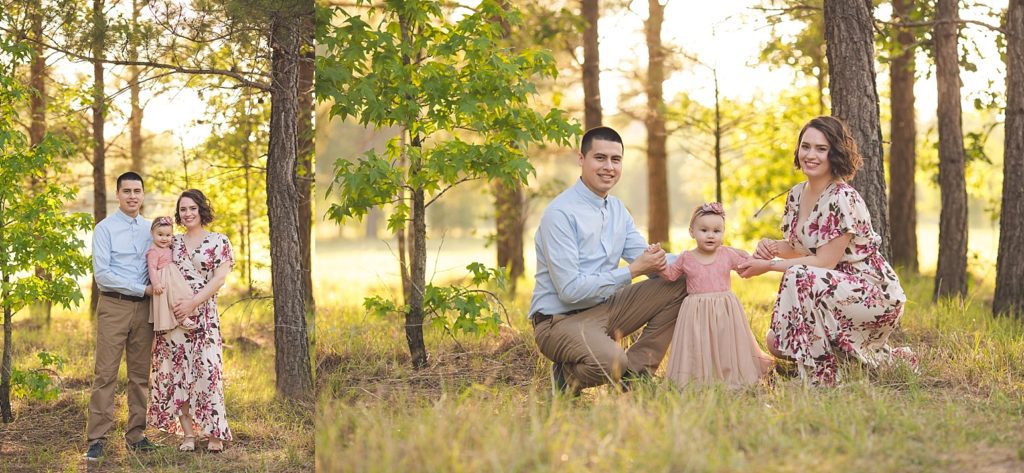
{"x":851,"y":309}
{"x":712,"y":341}
{"x":188,"y":364}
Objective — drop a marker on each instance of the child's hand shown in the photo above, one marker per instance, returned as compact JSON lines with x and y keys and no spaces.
{"x":653,"y":248}
{"x":158,"y":290}
{"x":753,"y":267}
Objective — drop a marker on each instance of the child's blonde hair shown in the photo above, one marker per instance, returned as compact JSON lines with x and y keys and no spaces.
{"x":708,"y":208}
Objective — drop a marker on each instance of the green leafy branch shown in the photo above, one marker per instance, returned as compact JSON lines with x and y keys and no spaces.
{"x":41,"y":384}
{"x":472,"y":308}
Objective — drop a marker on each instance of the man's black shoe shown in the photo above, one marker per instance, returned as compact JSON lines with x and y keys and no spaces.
{"x":559,"y":385}
{"x":95,"y":451}
{"x":143,"y":445}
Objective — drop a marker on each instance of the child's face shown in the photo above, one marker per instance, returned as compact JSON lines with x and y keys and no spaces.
{"x":708,"y":230}
{"x":162,"y":236}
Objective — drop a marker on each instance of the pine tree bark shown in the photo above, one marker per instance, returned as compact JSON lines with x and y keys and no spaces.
{"x":291,"y":363}
{"x":902,"y":151}
{"x":99,"y":174}
{"x":37,"y":125}
{"x":509,"y":223}
{"x":1009,"y":296}
{"x":850,"y":53}
{"x":951,"y":272}
{"x":304,"y":177}
{"x":135,"y":119}
{"x":591,"y":65}
{"x":509,"y":208}
{"x":657,"y":167}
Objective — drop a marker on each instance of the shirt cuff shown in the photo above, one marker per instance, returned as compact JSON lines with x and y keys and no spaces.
{"x":622,"y":275}
{"x":139,"y":290}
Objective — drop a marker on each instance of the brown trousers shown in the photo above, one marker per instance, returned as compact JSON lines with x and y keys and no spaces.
{"x":587,"y":345}
{"x":121,"y":327}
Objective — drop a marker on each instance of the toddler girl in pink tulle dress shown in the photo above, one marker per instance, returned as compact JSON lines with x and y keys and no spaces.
{"x":712,"y":341}
{"x":169,"y":286}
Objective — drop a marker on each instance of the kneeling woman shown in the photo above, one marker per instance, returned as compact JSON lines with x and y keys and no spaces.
{"x":838,"y":294}
{"x":187,"y":383}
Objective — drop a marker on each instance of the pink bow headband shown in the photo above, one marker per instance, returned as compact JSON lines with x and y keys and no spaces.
{"x":710,"y":208}
{"x":161,"y":221}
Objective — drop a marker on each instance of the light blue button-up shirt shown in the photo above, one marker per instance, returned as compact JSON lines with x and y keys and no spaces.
{"x":580,"y":241}
{"x":119,"y":245}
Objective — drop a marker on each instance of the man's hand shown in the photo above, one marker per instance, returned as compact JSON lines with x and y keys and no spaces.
{"x":149,"y":289}
{"x":766,"y":249}
{"x":651,"y":260}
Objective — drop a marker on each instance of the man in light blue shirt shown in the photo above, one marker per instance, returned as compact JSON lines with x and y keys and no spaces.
{"x":119,"y":246}
{"x":583,"y":302}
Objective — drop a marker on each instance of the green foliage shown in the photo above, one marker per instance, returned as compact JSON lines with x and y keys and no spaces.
{"x":462,"y":98}
{"x":469,"y":308}
{"x":35,"y":231}
{"x":39,"y":384}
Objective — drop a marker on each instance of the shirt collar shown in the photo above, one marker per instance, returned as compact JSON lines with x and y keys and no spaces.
{"x":588,"y":195}
{"x":123,"y":216}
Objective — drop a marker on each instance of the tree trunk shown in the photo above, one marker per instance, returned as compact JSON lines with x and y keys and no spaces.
{"x":1009,"y":297}
{"x":291,"y":363}
{"x":902,"y":154}
{"x":851,"y":62}
{"x":509,"y":208}
{"x":6,"y":413}
{"x":591,"y":65}
{"x":304,"y":180}
{"x":509,"y":221}
{"x":418,"y":276}
{"x":657,"y":169}
{"x":99,"y":174}
{"x":718,"y":142}
{"x":135,"y":119}
{"x":37,"y":126}
{"x":951,"y":273}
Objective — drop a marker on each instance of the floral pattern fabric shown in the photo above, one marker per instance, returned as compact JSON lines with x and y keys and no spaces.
{"x":852,"y":309}
{"x":188,"y":364}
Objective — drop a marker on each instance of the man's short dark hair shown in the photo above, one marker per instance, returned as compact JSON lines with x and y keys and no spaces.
{"x":598,"y":133}
{"x":129,"y":176}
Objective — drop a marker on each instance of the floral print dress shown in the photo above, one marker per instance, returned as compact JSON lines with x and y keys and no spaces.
{"x":188,"y":364}
{"x":851,"y":309}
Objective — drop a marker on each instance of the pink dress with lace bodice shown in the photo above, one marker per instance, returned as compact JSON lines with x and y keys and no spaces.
{"x":712,"y":341}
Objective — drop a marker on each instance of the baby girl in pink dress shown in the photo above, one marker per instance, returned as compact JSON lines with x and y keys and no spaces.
{"x":712,"y":341}
{"x":169,"y":286}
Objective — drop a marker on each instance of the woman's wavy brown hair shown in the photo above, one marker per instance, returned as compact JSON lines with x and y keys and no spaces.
{"x":844,"y":158}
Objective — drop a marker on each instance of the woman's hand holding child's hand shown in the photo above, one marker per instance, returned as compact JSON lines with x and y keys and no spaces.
{"x":766,"y":249}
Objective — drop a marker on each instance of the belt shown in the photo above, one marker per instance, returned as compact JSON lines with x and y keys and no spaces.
{"x":539,"y":317}
{"x":118,"y":295}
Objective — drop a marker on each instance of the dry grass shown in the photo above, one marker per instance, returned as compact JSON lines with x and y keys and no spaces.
{"x":483,"y":404}
{"x":270,"y":434}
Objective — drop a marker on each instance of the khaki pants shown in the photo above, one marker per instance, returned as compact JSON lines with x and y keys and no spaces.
{"x":587,"y":345}
{"x":121,"y":327}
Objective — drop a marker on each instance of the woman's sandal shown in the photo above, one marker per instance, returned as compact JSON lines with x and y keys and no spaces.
{"x":215,"y":450}
{"x":188,"y":444}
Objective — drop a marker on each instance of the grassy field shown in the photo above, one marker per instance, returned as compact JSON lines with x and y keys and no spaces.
{"x":270,"y":435}
{"x":484,"y":404}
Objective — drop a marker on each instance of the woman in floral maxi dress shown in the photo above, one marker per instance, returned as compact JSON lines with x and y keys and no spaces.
{"x":838,"y":294}
{"x":187,"y":385}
